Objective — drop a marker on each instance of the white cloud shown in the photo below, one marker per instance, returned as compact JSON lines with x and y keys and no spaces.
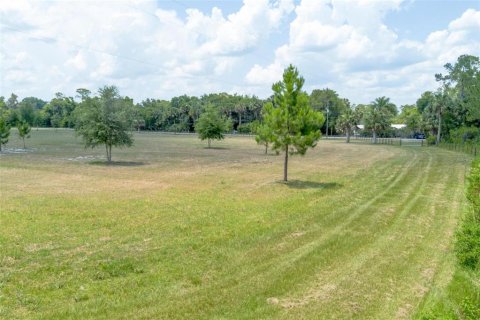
{"x":347,"y":45}
{"x":128,"y":42}
{"x":147,"y":51}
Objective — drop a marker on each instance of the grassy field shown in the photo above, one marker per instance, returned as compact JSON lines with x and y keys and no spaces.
{"x":177,"y":231}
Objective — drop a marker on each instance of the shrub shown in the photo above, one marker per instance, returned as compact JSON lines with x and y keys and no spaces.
{"x":473,"y":189}
{"x":468,"y":237}
{"x":470,"y":135}
{"x":431,"y":140}
{"x":468,"y":245}
{"x":244,"y":128}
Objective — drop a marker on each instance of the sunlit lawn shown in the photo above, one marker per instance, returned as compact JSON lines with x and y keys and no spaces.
{"x":174,"y":230}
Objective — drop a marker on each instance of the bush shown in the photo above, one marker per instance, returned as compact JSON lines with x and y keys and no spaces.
{"x":244,"y":128}
{"x":473,"y":189}
{"x":468,"y":245}
{"x":468,"y":237}
{"x":469,"y":135}
{"x":431,"y":140}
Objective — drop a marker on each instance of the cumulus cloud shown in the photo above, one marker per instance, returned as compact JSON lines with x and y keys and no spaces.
{"x":127,"y":42}
{"x":149,"y":51}
{"x":348,"y":45}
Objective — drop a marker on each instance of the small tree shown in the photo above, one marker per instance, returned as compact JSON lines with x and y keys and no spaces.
{"x":4,"y":132}
{"x":441,"y":101}
{"x":23,"y":131}
{"x":378,"y":116}
{"x":348,"y":121}
{"x":294,"y":124}
{"x":211,"y":126}
{"x":264,"y":135}
{"x":106,"y":120}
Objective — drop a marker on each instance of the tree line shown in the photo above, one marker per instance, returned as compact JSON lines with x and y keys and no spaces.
{"x":450,"y":113}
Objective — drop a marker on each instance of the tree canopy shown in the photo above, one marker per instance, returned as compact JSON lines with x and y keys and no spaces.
{"x":4,"y":132}
{"x":459,"y":117}
{"x":23,"y":131}
{"x":348,"y":121}
{"x":211,"y":126}
{"x":378,"y":116}
{"x":105,"y":120}
{"x":295,"y":126}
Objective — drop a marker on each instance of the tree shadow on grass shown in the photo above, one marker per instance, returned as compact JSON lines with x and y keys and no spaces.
{"x":299,"y":184}
{"x":118,"y":163}
{"x":216,"y":148}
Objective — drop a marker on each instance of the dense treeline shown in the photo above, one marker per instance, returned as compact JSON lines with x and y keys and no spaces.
{"x":450,"y":113}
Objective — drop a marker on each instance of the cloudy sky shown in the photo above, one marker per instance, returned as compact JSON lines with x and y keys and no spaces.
{"x":159,"y":49}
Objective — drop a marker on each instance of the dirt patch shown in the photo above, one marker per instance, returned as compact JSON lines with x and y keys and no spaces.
{"x":428,"y":273}
{"x":403,"y":312}
{"x":420,"y":290}
{"x":8,"y":261}
{"x":273,"y":300}
{"x":34,"y":247}
{"x":318,"y":294}
{"x":297,"y":234}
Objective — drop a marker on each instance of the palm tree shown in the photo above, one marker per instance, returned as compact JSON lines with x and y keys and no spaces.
{"x":348,"y":121}
{"x":378,"y":116}
{"x":440,"y":102}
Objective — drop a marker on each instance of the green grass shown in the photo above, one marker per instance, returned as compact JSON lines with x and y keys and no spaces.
{"x":177,"y":231}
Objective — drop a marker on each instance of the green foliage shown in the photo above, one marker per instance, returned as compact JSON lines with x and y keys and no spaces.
{"x":464,"y":75}
{"x":378,"y":116}
{"x":348,"y":121}
{"x":469,"y":135}
{"x":295,"y":126}
{"x":59,"y":111}
{"x":412,"y":118}
{"x":473,"y":189}
{"x":468,"y":237}
{"x":4,"y":132}
{"x":468,"y":244}
{"x":328,"y":99}
{"x":460,"y":299}
{"x":264,"y":135}
{"x":23,"y":131}
{"x":211,"y":126}
{"x":431,"y":140}
{"x":106,"y":119}
{"x":245,"y":128}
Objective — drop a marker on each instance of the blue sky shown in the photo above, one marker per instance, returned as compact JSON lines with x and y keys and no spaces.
{"x":159,"y":49}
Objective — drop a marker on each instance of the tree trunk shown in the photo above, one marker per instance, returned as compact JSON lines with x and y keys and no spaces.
{"x":374,"y":137}
{"x":266,"y":148}
{"x":209,"y":142}
{"x":108,"y":149}
{"x":24,"y":143}
{"x":348,"y":136}
{"x":439,"y":128}
{"x":285,"y":165}
{"x":239,"y":119}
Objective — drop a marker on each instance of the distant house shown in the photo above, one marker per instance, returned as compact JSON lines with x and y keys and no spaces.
{"x":362,"y":127}
{"x":396,"y":126}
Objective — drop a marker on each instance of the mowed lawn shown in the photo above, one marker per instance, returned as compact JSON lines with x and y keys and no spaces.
{"x":177,"y":231}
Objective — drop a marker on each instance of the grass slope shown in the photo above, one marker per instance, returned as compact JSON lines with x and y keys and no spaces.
{"x":178,"y":231}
